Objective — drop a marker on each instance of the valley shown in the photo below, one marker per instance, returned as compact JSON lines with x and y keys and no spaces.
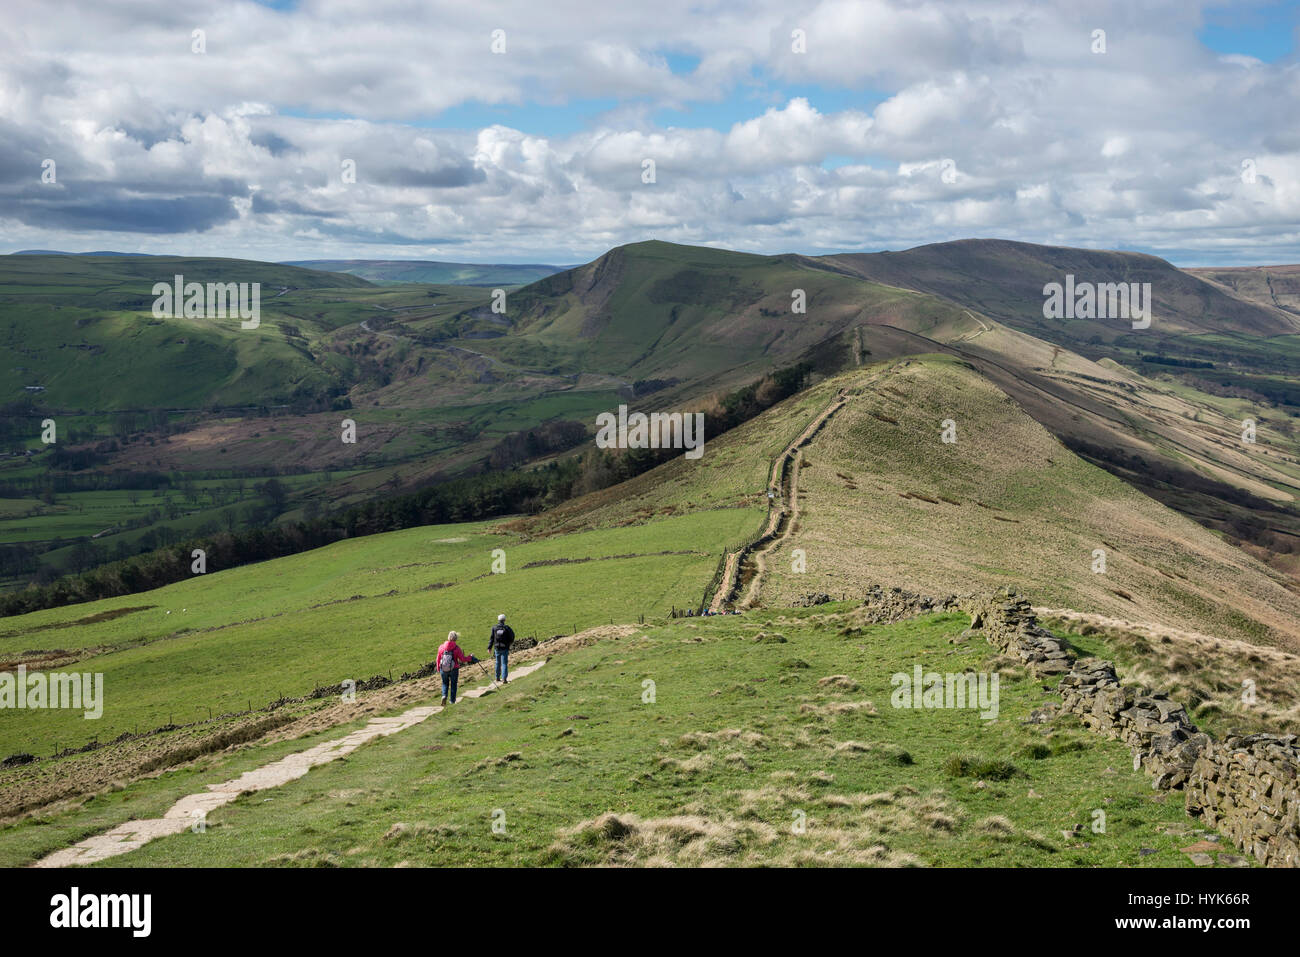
{"x":905,"y":434}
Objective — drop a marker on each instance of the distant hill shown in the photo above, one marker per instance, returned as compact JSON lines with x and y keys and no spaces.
{"x":1271,"y":286}
{"x":59,"y":252}
{"x":59,"y":272}
{"x":82,"y":327}
{"x":429,"y":271}
{"x":1004,"y":280}
{"x":709,"y":317}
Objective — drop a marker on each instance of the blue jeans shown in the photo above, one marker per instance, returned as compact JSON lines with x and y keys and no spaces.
{"x":449,"y":680}
{"x":502,"y":668}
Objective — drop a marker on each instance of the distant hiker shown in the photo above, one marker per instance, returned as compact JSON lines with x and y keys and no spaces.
{"x":449,"y":660}
{"x":499,"y":642}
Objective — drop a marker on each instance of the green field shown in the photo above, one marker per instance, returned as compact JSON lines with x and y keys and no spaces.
{"x":221,"y":641}
{"x":742,"y":741}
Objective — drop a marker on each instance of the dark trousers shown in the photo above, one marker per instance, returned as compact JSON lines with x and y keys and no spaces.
{"x":449,"y":679}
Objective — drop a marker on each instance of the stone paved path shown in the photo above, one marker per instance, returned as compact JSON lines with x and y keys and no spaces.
{"x":182,"y":815}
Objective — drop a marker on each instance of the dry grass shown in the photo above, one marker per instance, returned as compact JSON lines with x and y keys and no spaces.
{"x":705,"y":739}
{"x":835,"y":709}
{"x":904,"y":529}
{"x":688,"y":766}
{"x":839,"y":830}
{"x":622,"y":840}
{"x":1203,"y":673}
{"x":838,"y":683}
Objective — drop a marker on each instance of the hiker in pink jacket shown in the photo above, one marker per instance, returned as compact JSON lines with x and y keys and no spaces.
{"x":449,"y":659}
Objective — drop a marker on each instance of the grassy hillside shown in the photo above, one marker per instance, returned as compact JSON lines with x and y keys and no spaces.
{"x":883,"y":499}
{"x":122,"y":281}
{"x":657,"y":310}
{"x":1277,"y":287}
{"x":1005,"y":280}
{"x":749,"y":734}
{"x":82,"y":329}
{"x":223,"y":641}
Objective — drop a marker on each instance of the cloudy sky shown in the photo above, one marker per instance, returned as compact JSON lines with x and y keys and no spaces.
{"x":525,"y":131}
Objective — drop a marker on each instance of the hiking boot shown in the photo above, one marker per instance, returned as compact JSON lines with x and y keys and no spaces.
{"x":444,"y":701}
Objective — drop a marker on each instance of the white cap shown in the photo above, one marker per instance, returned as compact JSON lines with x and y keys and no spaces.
{"x":501,"y":617}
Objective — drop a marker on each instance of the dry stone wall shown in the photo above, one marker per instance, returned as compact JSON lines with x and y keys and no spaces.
{"x":1162,"y":737}
{"x":1245,"y":786}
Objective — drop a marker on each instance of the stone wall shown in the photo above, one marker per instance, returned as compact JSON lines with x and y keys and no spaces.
{"x":1245,"y":786}
{"x":1008,"y":623}
{"x":896,"y":604}
{"x":1161,"y":736}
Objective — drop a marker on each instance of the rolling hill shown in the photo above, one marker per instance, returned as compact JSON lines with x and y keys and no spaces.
{"x":435,"y":377}
{"x":1004,"y":280}
{"x":81,"y":329}
{"x":889,"y":502}
{"x":1273,"y":287}
{"x":750,"y":720}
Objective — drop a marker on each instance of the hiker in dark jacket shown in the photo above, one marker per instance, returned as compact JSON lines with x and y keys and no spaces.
{"x":449,"y":659}
{"x":499,"y":642}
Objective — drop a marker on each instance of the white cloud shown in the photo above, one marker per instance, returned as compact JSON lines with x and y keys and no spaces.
{"x":1049,"y":141}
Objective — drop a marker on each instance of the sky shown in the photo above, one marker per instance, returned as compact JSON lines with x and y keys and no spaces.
{"x":550,"y":132}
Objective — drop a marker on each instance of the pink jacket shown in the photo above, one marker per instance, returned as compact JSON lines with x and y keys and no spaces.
{"x":450,"y":645}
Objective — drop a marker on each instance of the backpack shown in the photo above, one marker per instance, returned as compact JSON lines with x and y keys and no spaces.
{"x":447,"y":663}
{"x":499,"y":633}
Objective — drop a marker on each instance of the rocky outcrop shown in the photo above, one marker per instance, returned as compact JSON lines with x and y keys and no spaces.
{"x":811,"y":600}
{"x":1246,"y":787}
